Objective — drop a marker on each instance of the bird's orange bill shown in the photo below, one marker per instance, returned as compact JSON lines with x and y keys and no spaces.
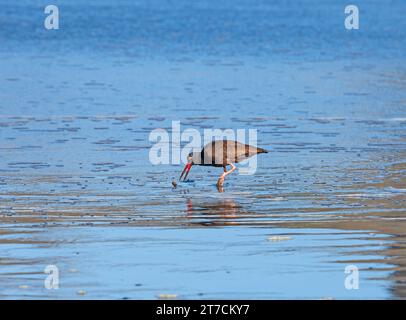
{"x":186,"y":169}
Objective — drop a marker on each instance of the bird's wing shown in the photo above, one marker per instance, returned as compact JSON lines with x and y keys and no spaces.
{"x":213,"y":153}
{"x":240,"y":151}
{"x":223,"y":152}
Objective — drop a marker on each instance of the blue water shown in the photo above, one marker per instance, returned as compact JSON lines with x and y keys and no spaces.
{"x":77,"y":188}
{"x":295,"y":30}
{"x":202,"y":263}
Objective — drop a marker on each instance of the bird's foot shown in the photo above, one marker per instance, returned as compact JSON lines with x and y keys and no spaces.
{"x":220,"y":181}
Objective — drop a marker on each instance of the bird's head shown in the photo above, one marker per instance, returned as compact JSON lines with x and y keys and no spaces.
{"x":192,"y":158}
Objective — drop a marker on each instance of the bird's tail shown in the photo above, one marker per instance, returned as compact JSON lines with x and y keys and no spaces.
{"x":260,"y":150}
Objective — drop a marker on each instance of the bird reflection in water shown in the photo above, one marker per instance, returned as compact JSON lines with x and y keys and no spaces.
{"x":219,"y":212}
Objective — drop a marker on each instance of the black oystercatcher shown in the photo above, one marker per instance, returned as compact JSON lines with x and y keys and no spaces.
{"x":221,"y":153}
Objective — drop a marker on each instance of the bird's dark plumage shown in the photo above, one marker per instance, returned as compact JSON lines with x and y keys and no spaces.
{"x":221,"y":153}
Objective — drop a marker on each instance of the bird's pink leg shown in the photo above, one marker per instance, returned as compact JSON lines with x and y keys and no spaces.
{"x":226,"y":173}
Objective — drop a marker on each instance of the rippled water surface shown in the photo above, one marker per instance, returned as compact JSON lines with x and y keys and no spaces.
{"x":77,"y":189}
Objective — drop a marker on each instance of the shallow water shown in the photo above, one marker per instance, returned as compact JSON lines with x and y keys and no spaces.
{"x":77,"y":189}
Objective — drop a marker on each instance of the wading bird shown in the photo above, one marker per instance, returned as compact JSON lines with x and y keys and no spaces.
{"x":221,"y":153}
